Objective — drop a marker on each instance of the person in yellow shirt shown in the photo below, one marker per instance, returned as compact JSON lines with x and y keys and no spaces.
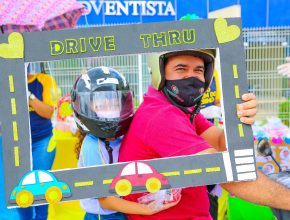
{"x":42,"y":91}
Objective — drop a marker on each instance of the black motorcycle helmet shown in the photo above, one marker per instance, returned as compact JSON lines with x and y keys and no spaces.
{"x":102,"y":102}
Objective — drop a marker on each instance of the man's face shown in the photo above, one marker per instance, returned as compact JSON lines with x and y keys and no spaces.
{"x":184,"y":66}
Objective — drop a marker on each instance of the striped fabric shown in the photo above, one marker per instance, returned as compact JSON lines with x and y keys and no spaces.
{"x":40,"y":15}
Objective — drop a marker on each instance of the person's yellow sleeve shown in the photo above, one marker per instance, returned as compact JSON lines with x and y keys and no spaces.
{"x":218,"y":89}
{"x":50,"y":89}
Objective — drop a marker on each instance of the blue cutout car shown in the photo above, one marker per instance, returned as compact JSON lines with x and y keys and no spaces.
{"x":39,"y":184}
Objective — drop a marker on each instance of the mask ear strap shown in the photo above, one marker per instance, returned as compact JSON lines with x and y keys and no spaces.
{"x":109,"y":150}
{"x":195,"y":111}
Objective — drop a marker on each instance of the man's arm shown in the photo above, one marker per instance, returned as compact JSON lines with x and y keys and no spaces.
{"x":215,"y":137}
{"x":246,"y":112}
{"x":263,"y":191}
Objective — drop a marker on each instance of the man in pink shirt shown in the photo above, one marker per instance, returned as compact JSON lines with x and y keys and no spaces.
{"x":168,"y":124}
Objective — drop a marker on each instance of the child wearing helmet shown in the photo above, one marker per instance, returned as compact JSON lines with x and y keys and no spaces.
{"x":103,"y":108}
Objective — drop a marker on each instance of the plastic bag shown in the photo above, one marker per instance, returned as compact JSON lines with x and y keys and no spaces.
{"x":161,"y":197}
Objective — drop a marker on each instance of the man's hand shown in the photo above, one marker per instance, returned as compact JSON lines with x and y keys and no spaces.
{"x":248,"y":109}
{"x":284,"y":69}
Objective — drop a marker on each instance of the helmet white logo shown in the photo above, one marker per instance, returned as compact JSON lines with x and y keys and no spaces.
{"x":87,"y":80}
{"x":105,"y":69}
{"x":102,"y":81}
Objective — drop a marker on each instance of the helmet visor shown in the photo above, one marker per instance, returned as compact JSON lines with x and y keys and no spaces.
{"x":99,"y":104}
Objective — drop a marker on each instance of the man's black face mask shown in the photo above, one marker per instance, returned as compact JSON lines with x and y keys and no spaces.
{"x":185,"y":92}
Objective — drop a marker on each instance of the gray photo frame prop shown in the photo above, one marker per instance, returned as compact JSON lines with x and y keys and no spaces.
{"x":236,"y":164}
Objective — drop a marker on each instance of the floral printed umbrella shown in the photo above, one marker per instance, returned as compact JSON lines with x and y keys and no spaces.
{"x":38,"y":15}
